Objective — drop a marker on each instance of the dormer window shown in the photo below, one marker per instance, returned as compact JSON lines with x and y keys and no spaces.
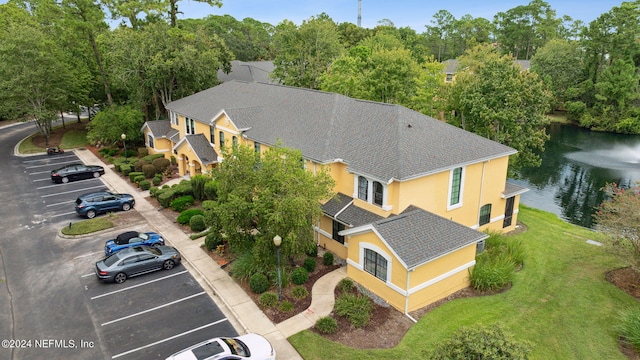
{"x":190,"y":127}
{"x":371,"y":191}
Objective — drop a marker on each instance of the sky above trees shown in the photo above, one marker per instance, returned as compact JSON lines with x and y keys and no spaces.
{"x":412,"y":13}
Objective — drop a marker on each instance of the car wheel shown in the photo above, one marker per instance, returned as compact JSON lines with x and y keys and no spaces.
{"x":126,"y":207}
{"x":155,"y":244}
{"x":91,"y":214}
{"x":65,"y":180}
{"x":168,"y":265}
{"x":120,"y":278}
{"x":96,"y":174}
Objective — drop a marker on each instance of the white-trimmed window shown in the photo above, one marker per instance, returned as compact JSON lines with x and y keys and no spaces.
{"x":371,"y":191}
{"x":485,"y":215}
{"x":212,"y":134}
{"x":174,"y":118}
{"x":375,"y":264}
{"x":363,"y":188}
{"x":150,"y":141}
{"x":456,"y":182}
{"x":221,"y":135}
{"x":190,"y":127}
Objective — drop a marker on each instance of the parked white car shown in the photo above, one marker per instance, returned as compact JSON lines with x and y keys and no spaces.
{"x":250,"y":346}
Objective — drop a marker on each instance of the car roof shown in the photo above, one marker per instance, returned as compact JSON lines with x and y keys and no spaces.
{"x":96,"y":193}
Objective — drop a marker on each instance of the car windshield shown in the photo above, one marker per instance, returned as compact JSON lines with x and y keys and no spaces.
{"x":237,"y":347}
{"x":112,"y":259}
{"x":143,"y":236}
{"x":154,"y":251}
{"x":207,"y":350}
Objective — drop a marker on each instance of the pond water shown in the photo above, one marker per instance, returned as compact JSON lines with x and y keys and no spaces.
{"x":576,"y":164}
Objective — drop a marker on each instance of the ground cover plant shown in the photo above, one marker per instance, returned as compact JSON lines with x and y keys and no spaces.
{"x":559,"y":301}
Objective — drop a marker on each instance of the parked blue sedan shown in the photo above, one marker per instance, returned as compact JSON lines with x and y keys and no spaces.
{"x":132,"y":238}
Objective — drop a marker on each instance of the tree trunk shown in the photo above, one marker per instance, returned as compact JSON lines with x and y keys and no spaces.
{"x":96,"y":52}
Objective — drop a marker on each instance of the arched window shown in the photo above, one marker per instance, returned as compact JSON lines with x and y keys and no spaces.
{"x":485,"y":214}
{"x":375,"y":264}
{"x":378,"y":191}
{"x":363,"y":186}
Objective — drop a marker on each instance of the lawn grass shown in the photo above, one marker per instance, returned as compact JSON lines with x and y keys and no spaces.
{"x":559,"y":301}
{"x":71,"y":139}
{"x":87,"y":226}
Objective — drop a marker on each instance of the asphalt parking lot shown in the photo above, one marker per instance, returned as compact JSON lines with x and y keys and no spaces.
{"x":53,"y":292}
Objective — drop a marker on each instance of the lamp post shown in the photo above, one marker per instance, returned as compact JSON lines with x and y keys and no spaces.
{"x":277,"y":240}
{"x":124,"y":143}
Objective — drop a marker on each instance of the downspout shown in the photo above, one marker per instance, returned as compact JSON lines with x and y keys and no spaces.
{"x":406,"y":298}
{"x":484,"y":167}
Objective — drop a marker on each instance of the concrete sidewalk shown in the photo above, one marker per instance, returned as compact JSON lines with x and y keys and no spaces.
{"x":240,"y":310}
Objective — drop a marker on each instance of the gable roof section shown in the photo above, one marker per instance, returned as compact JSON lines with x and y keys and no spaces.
{"x":511,"y":189}
{"x":341,"y":208}
{"x":160,"y":128}
{"x":201,"y":147}
{"x":417,"y":236}
{"x":382,"y":141}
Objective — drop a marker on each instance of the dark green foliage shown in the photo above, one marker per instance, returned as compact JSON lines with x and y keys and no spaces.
{"x":209,"y":204}
{"x":149,"y":171}
{"x":496,"y":266}
{"x":183,"y":188}
{"x":629,"y":327}
{"x":173,"y":160}
{"x":481,"y":342}
{"x":132,"y":175}
{"x":130,"y":153}
{"x":126,"y":169}
{"x":153,"y":190}
{"x":356,"y":308}
{"x":244,"y":266}
{"x":104,"y":151}
{"x":142,"y":152}
{"x":268,"y":299}
{"x":161,"y":163}
{"x":345,"y":285}
{"x":181,"y":203}
{"x":286,"y":306}
{"x":144,"y":185}
{"x":326,"y":325}
{"x":164,"y":196}
{"x":310,"y":264}
{"x":258,"y":283}
{"x":313,"y":251}
{"x":285,"y":276}
{"x":149,"y":158}
{"x":197,"y":223}
{"x":212,"y":240}
{"x":186,"y":215}
{"x":197,"y":185}
{"x":139,"y":164}
{"x":327,"y":259}
{"x":138,"y":178}
{"x":300,"y":276}
{"x":157,"y":180}
{"x":211,"y":190}
{"x":299,"y":292}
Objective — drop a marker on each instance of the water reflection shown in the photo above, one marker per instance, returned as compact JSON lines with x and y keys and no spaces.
{"x":576,"y":164}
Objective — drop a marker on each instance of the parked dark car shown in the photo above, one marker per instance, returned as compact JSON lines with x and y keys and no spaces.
{"x":91,"y":204}
{"x":76,"y":172}
{"x":132,"y":238}
{"x":137,"y":260}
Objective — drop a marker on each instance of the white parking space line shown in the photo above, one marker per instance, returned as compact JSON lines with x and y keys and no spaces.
{"x":48,"y":159}
{"x":153,"y":309}
{"x":62,"y":203}
{"x":168,"y":339}
{"x":87,"y":255}
{"x":138,"y":285}
{"x":65,"y":214}
{"x":45,"y":179}
{"x":69,"y":192}
{"x":87,"y":275}
{"x":58,"y":163}
{"x":39,"y":172}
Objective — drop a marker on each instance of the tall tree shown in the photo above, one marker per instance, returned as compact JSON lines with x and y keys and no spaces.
{"x":304,"y":53}
{"x":173,"y":9}
{"x":494,"y":98}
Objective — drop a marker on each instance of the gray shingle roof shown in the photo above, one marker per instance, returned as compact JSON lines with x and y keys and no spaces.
{"x":202,"y":147}
{"x":511,"y":189}
{"x":418,"y":236}
{"x":379,"y":140}
{"x":159,"y":128}
{"x":248,"y":71}
{"x":341,"y":208}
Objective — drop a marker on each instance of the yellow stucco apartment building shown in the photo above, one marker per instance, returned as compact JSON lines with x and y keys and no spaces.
{"x":414,"y":195}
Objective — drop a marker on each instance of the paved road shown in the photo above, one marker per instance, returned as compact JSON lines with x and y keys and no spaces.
{"x":53,"y":307}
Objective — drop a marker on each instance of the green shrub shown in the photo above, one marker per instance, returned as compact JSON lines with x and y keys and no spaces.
{"x":181,"y":203}
{"x":149,"y":171}
{"x":139,"y":164}
{"x":244,"y":266}
{"x":132,"y":175}
{"x":185,"y":215}
{"x":126,"y":169}
{"x":211,"y":190}
{"x":183,"y":188}
{"x":492,"y":271}
{"x":173,"y":160}
{"x":268,"y":299}
{"x":300,"y":276}
{"x":138,"y":178}
{"x":112,"y":152}
{"x":629,"y":327}
{"x":313,"y":251}
{"x":310,"y":264}
{"x":299,"y":292}
{"x":356,"y":308}
{"x":285,"y":276}
{"x":197,"y":223}
{"x":326,"y":325}
{"x":481,"y":342}
{"x":327,"y":259}
{"x":161,"y":163}
{"x":286,"y":306}
{"x":197,"y":186}
{"x":258,"y":283}
{"x":209,"y":204}
{"x":142,"y":152}
{"x":157,"y":180}
{"x":149,"y":158}
{"x":346,"y":285}
{"x":212,"y":240}
{"x":153,"y":190}
{"x":165,"y":196}
{"x":130,"y":153}
{"x":104,"y":151}
{"x":144,"y":185}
